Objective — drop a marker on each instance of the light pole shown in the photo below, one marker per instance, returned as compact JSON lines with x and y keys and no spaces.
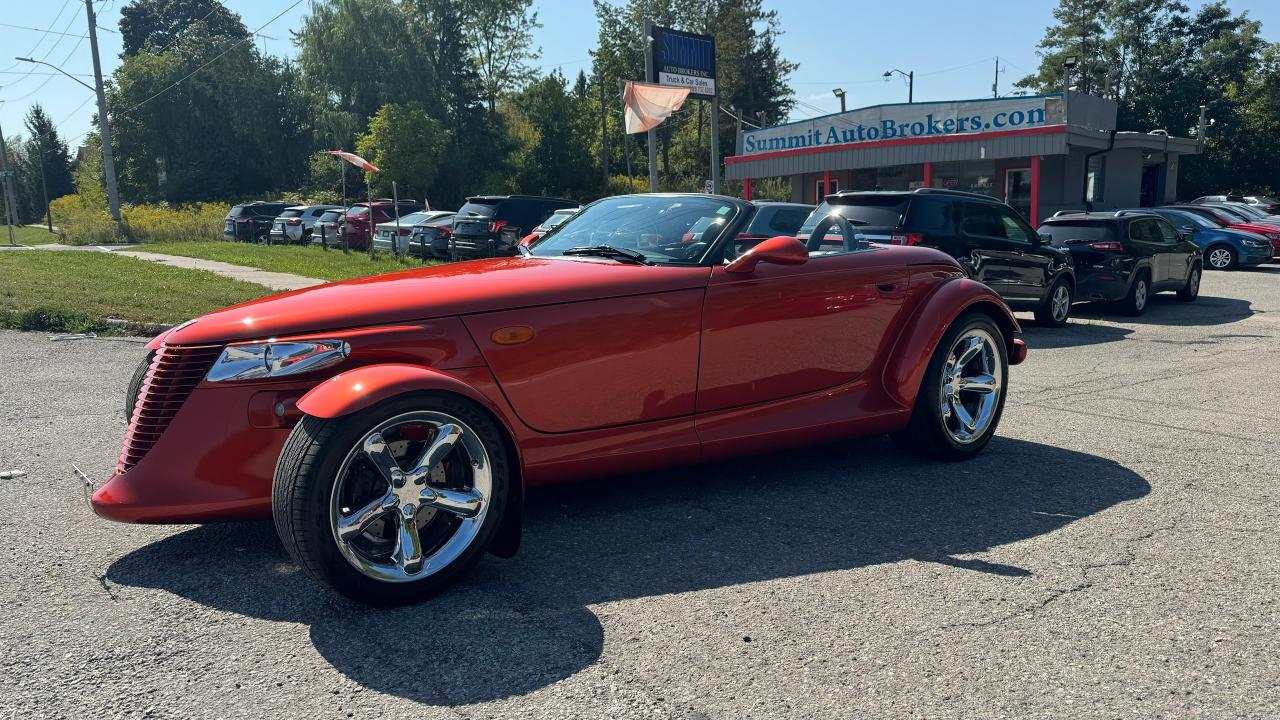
{"x":911,"y":81}
{"x":839,"y":92}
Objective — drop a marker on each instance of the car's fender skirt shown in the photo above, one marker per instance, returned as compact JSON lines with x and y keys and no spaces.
{"x":922,"y":333}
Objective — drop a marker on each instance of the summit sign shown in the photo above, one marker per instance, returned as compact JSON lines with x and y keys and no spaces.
{"x":917,"y":120}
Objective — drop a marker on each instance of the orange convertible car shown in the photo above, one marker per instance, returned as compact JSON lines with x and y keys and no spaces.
{"x":390,"y":425}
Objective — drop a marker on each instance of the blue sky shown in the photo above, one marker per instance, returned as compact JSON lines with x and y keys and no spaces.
{"x":951,"y":47}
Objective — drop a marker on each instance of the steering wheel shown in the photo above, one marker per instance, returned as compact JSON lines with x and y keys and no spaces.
{"x":851,"y":241}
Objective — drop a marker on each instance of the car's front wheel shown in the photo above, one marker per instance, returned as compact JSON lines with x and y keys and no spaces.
{"x":392,"y":504}
{"x":1221,"y":257}
{"x":962,"y":394}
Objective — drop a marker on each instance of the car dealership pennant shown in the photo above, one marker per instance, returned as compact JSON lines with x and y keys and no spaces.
{"x":354,"y":159}
{"x":645,"y":105}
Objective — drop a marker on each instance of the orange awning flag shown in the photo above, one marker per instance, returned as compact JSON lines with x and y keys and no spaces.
{"x":645,"y":105}
{"x":354,"y":159}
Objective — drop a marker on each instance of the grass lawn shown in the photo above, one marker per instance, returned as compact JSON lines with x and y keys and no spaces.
{"x":75,"y":291}
{"x":29,"y":236}
{"x":297,"y":259}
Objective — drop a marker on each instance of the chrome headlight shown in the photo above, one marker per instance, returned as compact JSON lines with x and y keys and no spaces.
{"x":276,"y":359}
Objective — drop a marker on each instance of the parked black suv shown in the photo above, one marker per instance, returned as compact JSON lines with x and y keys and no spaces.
{"x":492,"y":225}
{"x":1126,"y":256}
{"x":990,"y":240}
{"x":251,"y":221}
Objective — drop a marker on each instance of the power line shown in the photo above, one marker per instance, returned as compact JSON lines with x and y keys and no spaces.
{"x":191,"y":74}
{"x":48,"y":31}
{"x":49,"y":52}
{"x":56,"y":18}
{"x":47,"y":79}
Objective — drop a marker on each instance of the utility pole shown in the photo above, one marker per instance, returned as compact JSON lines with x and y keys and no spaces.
{"x":9,"y":202}
{"x":649,"y":76}
{"x":995,"y":81}
{"x":44,"y":185}
{"x":108,"y":160}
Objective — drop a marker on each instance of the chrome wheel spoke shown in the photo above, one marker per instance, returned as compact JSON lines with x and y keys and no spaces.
{"x":353,"y":524}
{"x":446,"y":437}
{"x":984,"y":384}
{"x":463,"y":503}
{"x":971,"y":348}
{"x":376,"y":450}
{"x":408,"y":554}
{"x":962,"y":414}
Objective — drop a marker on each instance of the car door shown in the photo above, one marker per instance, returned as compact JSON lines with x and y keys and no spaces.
{"x":1177,"y":254}
{"x":1031,"y":262}
{"x":786,"y":330}
{"x":990,"y":256}
{"x":1148,"y":248}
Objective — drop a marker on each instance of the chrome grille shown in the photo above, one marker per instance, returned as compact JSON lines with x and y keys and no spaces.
{"x":173,"y":374}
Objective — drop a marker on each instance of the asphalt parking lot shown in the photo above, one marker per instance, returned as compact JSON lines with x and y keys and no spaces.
{"x":1112,"y":554}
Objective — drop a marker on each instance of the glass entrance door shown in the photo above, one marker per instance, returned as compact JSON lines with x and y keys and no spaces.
{"x":1017,"y":191}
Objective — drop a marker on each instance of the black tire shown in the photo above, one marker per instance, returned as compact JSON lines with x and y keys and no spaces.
{"x":305,"y":480}
{"x":926,"y":435}
{"x":1221,"y":257}
{"x":135,"y":384}
{"x":1139,"y":295}
{"x":1191,"y":291}
{"x":1048,"y":314}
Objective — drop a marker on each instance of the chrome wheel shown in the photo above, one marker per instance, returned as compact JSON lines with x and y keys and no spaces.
{"x":972,"y":380}
{"x":1219,"y":258}
{"x":411,"y":496}
{"x":1060,"y":304}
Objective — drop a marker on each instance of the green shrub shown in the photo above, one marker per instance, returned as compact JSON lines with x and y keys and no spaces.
{"x":81,"y":223}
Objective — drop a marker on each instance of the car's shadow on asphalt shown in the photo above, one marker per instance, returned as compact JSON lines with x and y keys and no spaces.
{"x":1072,"y":335}
{"x":1166,"y":309}
{"x":514,"y":626}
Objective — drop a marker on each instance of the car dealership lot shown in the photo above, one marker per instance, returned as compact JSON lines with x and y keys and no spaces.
{"x":1112,"y":553}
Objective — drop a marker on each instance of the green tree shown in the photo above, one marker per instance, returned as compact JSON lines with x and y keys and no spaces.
{"x":500,"y":33}
{"x":555,"y":128}
{"x":1080,"y":34}
{"x":406,"y":144}
{"x":161,"y":23}
{"x":50,"y":150}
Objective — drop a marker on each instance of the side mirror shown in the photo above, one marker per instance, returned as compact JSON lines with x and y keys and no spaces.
{"x":1045,"y":238}
{"x":1187,"y":236}
{"x":780,"y":250}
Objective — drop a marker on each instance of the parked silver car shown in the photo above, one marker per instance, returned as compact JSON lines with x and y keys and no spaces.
{"x":394,"y":236}
{"x":295,"y":224}
{"x":328,"y":229}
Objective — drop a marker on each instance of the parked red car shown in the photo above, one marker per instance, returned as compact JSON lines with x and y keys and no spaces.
{"x":391,"y":425}
{"x":1223,"y":217}
{"x":357,"y":230}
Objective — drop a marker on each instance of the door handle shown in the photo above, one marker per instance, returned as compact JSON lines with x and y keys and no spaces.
{"x":888,"y":287}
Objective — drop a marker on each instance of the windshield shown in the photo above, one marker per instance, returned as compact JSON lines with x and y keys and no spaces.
{"x":1248,"y":211}
{"x":331,"y":215}
{"x":358,"y":211}
{"x":411,"y":218}
{"x":290,"y":214}
{"x":557,"y":218}
{"x":1232,"y":214}
{"x":665,"y":229}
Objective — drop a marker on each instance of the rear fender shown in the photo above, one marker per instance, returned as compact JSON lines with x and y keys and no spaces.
{"x":363,"y":387}
{"x":923,"y":332}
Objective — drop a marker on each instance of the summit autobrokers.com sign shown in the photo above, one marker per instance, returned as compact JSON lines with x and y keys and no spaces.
{"x":684,"y":59}
{"x":892,"y":122}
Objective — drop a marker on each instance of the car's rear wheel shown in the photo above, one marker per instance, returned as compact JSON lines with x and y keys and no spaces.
{"x":1191,"y":290}
{"x":1056,"y":308}
{"x":962,"y":393}
{"x":1135,"y":303}
{"x":1221,"y":257}
{"x":392,"y":504}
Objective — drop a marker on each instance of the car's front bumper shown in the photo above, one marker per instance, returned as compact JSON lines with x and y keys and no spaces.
{"x":214,"y":461}
{"x":1256,"y":256}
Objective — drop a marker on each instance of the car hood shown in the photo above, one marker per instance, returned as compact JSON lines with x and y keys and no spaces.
{"x":434,"y":291}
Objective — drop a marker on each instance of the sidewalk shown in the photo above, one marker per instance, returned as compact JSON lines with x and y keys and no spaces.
{"x":273,"y":280}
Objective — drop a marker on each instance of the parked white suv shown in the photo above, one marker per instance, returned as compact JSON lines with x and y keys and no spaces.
{"x":295,"y":224}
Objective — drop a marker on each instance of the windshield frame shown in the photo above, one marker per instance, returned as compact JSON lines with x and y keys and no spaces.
{"x":742,"y":212}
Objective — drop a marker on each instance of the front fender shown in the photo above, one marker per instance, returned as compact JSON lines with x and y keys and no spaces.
{"x":923,"y":332}
{"x":357,"y":389}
